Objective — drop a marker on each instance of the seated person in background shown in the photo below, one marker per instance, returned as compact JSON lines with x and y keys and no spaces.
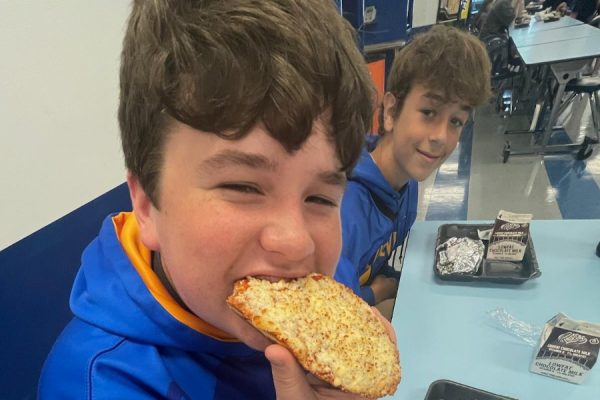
{"x":239,"y":122}
{"x":482,"y":14}
{"x":499,"y":18}
{"x":583,"y":10}
{"x":556,"y":5}
{"x":504,"y":14}
{"x":434,"y":83}
{"x":519,"y":6}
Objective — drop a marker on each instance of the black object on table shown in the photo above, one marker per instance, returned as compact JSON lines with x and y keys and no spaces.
{"x":491,"y":270}
{"x":448,"y":390}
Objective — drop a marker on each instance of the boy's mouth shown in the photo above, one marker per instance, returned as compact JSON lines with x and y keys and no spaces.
{"x":272,"y":278}
{"x":428,"y":156}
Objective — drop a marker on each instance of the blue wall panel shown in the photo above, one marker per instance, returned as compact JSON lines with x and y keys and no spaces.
{"x":36,"y":275}
{"x":393,"y":19}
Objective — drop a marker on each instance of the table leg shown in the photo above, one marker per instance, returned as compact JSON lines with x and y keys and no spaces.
{"x":563,"y":73}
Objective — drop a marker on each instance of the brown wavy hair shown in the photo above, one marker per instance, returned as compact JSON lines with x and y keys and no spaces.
{"x":222,"y":66}
{"x":444,"y":59}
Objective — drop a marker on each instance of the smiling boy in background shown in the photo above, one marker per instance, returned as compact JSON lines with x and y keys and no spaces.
{"x":434,"y":83}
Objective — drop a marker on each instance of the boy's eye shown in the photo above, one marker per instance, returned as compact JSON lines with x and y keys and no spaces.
{"x":321,"y":200}
{"x":240,"y":187}
{"x":458,"y":123}
{"x":427,"y":112}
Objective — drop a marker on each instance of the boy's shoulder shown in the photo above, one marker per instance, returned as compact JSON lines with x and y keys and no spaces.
{"x":88,"y":362}
{"x":68,"y":370}
{"x":357,"y":199}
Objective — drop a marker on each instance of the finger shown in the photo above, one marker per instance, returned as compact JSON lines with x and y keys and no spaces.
{"x":330,"y":393}
{"x":325,"y":391}
{"x":289,"y":378}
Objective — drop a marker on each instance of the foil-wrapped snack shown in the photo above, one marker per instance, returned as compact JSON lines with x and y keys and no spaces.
{"x":460,"y":256}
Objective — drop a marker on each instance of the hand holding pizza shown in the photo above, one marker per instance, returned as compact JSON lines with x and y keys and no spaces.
{"x":322,"y":327}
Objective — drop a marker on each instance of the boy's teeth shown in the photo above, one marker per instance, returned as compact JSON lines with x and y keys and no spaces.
{"x":271,"y":278}
{"x":268,"y":278}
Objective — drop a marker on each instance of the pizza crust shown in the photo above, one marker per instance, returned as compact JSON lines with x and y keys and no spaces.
{"x":333,"y":333}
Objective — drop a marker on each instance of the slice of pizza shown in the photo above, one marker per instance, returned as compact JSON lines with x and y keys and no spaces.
{"x":333,"y":333}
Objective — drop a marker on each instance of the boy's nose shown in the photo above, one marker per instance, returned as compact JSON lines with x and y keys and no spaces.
{"x":439,"y":132}
{"x":287,"y":234}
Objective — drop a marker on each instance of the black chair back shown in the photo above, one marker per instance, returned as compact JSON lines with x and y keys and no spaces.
{"x":498,"y":49}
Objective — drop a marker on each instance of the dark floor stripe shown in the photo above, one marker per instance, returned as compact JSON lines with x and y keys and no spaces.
{"x":450,"y":193}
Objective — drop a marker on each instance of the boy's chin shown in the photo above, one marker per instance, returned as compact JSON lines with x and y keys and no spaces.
{"x":422,"y":175}
{"x":253,"y":338}
{"x":256,"y":340}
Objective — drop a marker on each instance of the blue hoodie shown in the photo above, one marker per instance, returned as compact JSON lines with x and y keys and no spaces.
{"x":375,"y":220}
{"x":131,"y":340}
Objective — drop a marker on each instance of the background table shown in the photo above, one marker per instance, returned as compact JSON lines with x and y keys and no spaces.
{"x":568,"y":52}
{"x":537,"y":26}
{"x":444,"y":333}
{"x":554,"y":35}
{"x":564,"y":50}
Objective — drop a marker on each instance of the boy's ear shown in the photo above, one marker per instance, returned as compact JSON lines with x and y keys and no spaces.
{"x":145,"y":213}
{"x":389,"y":100}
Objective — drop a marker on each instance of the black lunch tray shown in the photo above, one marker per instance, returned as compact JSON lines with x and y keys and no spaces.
{"x":448,"y":390}
{"x":491,"y":271}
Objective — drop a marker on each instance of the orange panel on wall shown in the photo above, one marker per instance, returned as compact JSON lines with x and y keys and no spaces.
{"x":377,"y":71}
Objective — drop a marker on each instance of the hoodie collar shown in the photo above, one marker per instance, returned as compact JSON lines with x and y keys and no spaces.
{"x":367,"y":172}
{"x":127,"y":230}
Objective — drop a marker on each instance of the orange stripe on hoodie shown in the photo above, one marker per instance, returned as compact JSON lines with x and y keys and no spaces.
{"x":128,"y":232}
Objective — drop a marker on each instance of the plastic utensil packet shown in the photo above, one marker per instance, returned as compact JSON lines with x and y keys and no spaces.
{"x":503,"y":320}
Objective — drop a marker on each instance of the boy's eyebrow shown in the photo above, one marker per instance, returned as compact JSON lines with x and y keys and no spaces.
{"x":435,"y":97}
{"x":441,"y":99}
{"x":333,"y":178}
{"x":239,"y":158}
{"x":235,"y":157}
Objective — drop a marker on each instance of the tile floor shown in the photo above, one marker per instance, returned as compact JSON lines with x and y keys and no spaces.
{"x":474,"y":183}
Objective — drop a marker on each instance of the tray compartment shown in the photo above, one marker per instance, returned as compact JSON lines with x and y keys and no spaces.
{"x":492,"y":271}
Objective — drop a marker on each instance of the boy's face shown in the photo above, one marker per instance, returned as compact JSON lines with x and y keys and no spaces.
{"x":234,"y":208}
{"x":424,"y":134}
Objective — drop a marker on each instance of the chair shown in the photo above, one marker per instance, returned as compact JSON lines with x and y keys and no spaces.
{"x":504,"y":69}
{"x":561,"y":96}
{"x":589,"y":85}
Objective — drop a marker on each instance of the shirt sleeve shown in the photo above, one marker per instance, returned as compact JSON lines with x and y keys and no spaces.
{"x":347,"y":273}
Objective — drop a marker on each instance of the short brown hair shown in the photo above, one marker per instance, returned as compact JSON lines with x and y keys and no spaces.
{"x":222,"y":66}
{"x":444,"y":59}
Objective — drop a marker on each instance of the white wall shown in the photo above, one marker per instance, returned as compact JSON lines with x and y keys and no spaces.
{"x":424,"y":12}
{"x":59,"y":137}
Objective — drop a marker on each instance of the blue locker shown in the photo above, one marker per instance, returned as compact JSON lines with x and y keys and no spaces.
{"x":379,"y":22}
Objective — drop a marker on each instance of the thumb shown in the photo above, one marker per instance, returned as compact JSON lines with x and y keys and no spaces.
{"x":289,"y":378}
